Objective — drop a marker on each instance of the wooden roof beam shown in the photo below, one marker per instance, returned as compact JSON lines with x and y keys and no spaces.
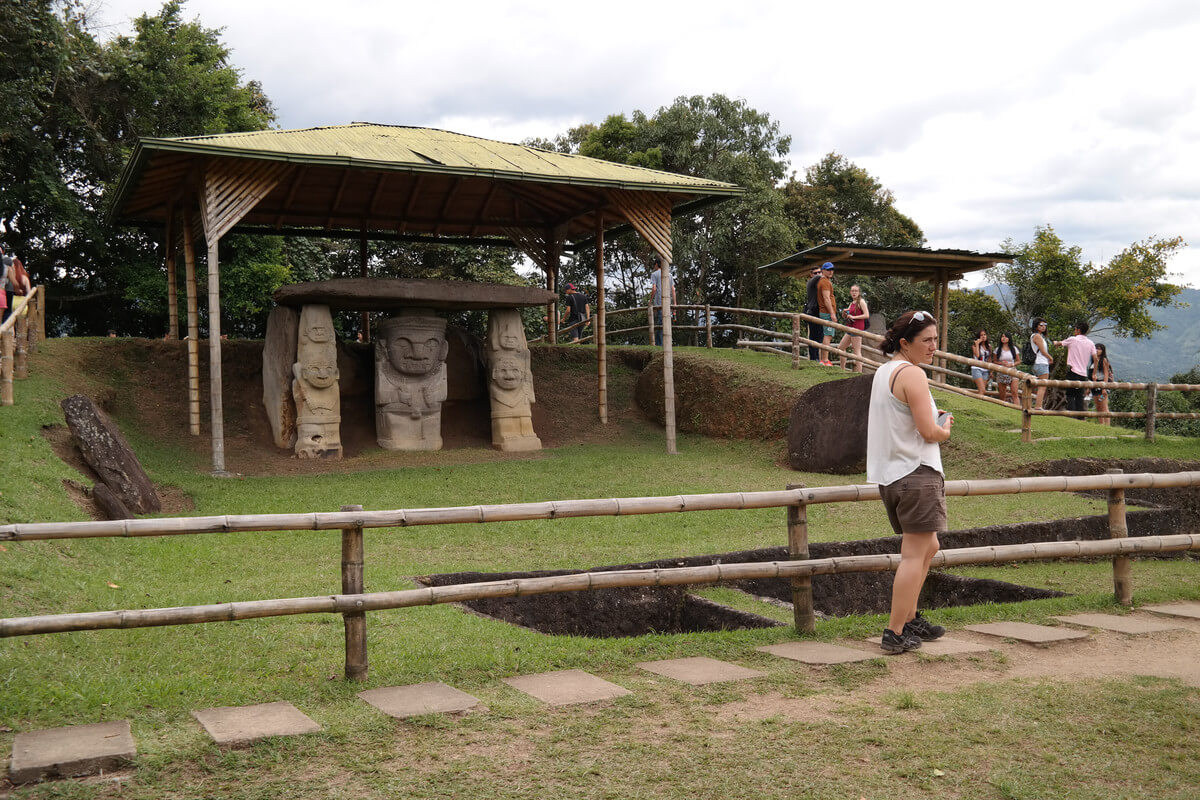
{"x":337,"y":198}
{"x":453,"y":190}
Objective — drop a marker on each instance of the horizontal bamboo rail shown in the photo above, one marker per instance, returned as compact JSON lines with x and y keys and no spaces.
{"x":566,"y":509}
{"x":19,"y":304}
{"x":584,"y":581}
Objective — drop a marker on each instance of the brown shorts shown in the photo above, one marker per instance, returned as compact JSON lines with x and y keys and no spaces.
{"x":917,"y":502}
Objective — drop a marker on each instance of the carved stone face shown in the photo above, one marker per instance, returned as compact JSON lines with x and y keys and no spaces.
{"x":508,"y":333}
{"x":320,"y":376}
{"x":415,"y":352}
{"x":315,"y":329}
{"x":508,"y":373}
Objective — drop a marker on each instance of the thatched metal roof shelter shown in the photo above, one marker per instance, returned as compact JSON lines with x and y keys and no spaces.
{"x":386,"y":182}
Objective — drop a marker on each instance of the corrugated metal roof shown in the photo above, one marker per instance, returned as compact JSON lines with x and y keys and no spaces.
{"x":432,"y":150}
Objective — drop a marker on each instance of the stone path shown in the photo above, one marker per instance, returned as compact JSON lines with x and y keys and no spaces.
{"x":1029,"y":649}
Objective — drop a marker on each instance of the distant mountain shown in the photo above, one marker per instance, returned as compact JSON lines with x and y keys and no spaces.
{"x":1172,"y":350}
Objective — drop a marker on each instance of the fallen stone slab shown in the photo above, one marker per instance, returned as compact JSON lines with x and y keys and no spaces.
{"x":434,"y":697}
{"x":71,"y":751}
{"x":1120,"y":624}
{"x":1185,"y":610}
{"x":106,"y":451}
{"x":1027,"y":633}
{"x":817,"y":653}
{"x":231,"y":726}
{"x":699,"y":671}
{"x":566,"y":687}
{"x":946,"y":646}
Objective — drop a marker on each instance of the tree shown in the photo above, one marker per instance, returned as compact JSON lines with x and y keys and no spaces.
{"x":1048,"y":279}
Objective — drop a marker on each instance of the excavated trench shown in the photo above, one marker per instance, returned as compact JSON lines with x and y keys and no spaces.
{"x":637,"y":611}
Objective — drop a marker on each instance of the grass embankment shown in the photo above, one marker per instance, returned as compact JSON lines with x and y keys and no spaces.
{"x":994,"y":740}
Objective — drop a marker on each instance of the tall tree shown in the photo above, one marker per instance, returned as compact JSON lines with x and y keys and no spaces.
{"x":1050,"y":279}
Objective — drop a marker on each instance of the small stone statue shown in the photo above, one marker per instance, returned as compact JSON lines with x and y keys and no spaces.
{"x":315,"y":387}
{"x":410,"y":381}
{"x":511,"y":384}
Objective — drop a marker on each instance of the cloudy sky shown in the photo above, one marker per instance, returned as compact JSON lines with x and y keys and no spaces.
{"x":985,"y":121}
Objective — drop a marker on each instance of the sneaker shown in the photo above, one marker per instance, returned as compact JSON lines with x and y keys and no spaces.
{"x":826,"y":363}
{"x":923,"y":629}
{"x":893,"y":643}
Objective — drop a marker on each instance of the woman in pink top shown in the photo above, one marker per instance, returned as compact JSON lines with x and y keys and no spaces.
{"x":1080,"y":352}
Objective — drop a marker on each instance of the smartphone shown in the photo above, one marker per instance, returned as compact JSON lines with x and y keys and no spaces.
{"x":942,"y":417}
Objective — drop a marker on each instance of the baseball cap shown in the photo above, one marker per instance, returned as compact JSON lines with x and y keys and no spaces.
{"x":828,"y":265}
{"x":571,"y":286}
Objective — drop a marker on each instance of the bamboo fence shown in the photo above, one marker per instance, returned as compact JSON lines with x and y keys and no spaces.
{"x":19,"y":335}
{"x":354,"y":602}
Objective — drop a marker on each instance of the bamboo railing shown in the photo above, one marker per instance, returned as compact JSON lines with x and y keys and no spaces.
{"x":354,"y":602}
{"x":19,"y":335}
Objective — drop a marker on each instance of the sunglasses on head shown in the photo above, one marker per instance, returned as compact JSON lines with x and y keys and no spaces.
{"x":921,"y":316}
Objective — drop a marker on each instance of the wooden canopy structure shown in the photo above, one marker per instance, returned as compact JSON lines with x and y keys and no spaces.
{"x":938,"y":267}
{"x":386,"y":182}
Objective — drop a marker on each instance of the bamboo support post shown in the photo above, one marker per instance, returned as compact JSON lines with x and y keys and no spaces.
{"x":21,"y":344}
{"x":41,"y":312}
{"x":352,"y":583}
{"x":363,"y":272}
{"x":650,"y":324}
{"x":668,"y":288}
{"x":31,"y":326}
{"x":802,"y":599}
{"x":1119,"y":529}
{"x":1027,"y":412}
{"x":172,"y":278}
{"x":795,"y":342}
{"x":7,"y":345}
{"x":600,"y":331}
{"x":193,"y":325}
{"x":708,"y":326}
{"x":1151,"y":404}
{"x":215,"y":403}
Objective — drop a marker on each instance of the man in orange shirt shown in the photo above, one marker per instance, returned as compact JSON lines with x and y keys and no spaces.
{"x":827,"y":309}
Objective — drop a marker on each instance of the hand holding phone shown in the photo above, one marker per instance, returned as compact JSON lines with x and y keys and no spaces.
{"x":942,"y":417}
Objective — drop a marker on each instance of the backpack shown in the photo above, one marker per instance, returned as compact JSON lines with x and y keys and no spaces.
{"x":1028,"y":354}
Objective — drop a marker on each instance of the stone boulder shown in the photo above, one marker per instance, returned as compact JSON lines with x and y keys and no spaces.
{"x":279,"y":353}
{"x":106,"y":451}
{"x":828,"y":428}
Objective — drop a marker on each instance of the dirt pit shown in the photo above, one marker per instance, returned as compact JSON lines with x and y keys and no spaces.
{"x":606,"y":613}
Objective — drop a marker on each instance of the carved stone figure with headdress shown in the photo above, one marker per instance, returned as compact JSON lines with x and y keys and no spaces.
{"x":315,"y":386}
{"x":410,"y":381}
{"x":511,"y":383}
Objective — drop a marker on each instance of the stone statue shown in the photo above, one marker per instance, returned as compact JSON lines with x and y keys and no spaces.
{"x":315,"y":386}
{"x":511,"y":384}
{"x":410,"y":381}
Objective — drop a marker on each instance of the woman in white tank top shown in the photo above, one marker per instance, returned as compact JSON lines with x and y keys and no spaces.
{"x":904,"y":458}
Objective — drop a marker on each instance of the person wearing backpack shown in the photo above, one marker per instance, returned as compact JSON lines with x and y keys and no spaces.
{"x":1041,"y":357}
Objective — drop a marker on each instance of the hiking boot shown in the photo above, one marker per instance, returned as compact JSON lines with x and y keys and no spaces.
{"x":923,"y":629}
{"x":893,"y":643}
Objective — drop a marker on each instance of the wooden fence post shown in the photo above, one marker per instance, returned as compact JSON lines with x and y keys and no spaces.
{"x":650,"y":324}
{"x":1027,"y":411}
{"x":802,"y":602}
{"x":41,"y":314}
{"x":1118,"y":529}
{"x":31,"y":332}
{"x":708,"y":323}
{"x":21,"y":332}
{"x":6,"y":368}
{"x":352,"y":583}
{"x":795,"y":341}
{"x":1151,"y":404}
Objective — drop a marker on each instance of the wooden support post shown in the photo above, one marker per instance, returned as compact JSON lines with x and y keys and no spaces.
{"x":1119,"y":529}
{"x":365,"y":318}
{"x":35,"y":306}
{"x":802,"y":602}
{"x":172,"y":278}
{"x":599,"y":330}
{"x":708,"y":324}
{"x":668,"y":357}
{"x":352,"y":583}
{"x":193,"y":325}
{"x":20,"y":332}
{"x":216,"y":406}
{"x":1027,"y":411}
{"x":1151,"y":404}
{"x":796,"y":341}
{"x":41,"y":312}
{"x":7,"y":345}
{"x":650,"y":324}
{"x":552,"y":256}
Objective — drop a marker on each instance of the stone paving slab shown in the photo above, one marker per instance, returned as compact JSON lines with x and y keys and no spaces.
{"x":566,"y":687}
{"x":1120,"y":624}
{"x":1025,"y":632}
{"x":434,"y":697}
{"x":1186,"y":610}
{"x":946,"y":646}
{"x":231,"y":726}
{"x":71,"y":751}
{"x":817,"y":652}
{"x":700,"y":671}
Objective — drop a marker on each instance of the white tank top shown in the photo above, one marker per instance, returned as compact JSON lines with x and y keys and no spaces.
{"x":894,"y":445}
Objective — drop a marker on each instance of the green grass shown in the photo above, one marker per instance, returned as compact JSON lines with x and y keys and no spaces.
{"x":661,"y":742}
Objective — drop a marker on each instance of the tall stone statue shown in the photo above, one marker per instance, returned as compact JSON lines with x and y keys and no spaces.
{"x":315,"y":386}
{"x":511,"y":383}
{"x":410,"y":381}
